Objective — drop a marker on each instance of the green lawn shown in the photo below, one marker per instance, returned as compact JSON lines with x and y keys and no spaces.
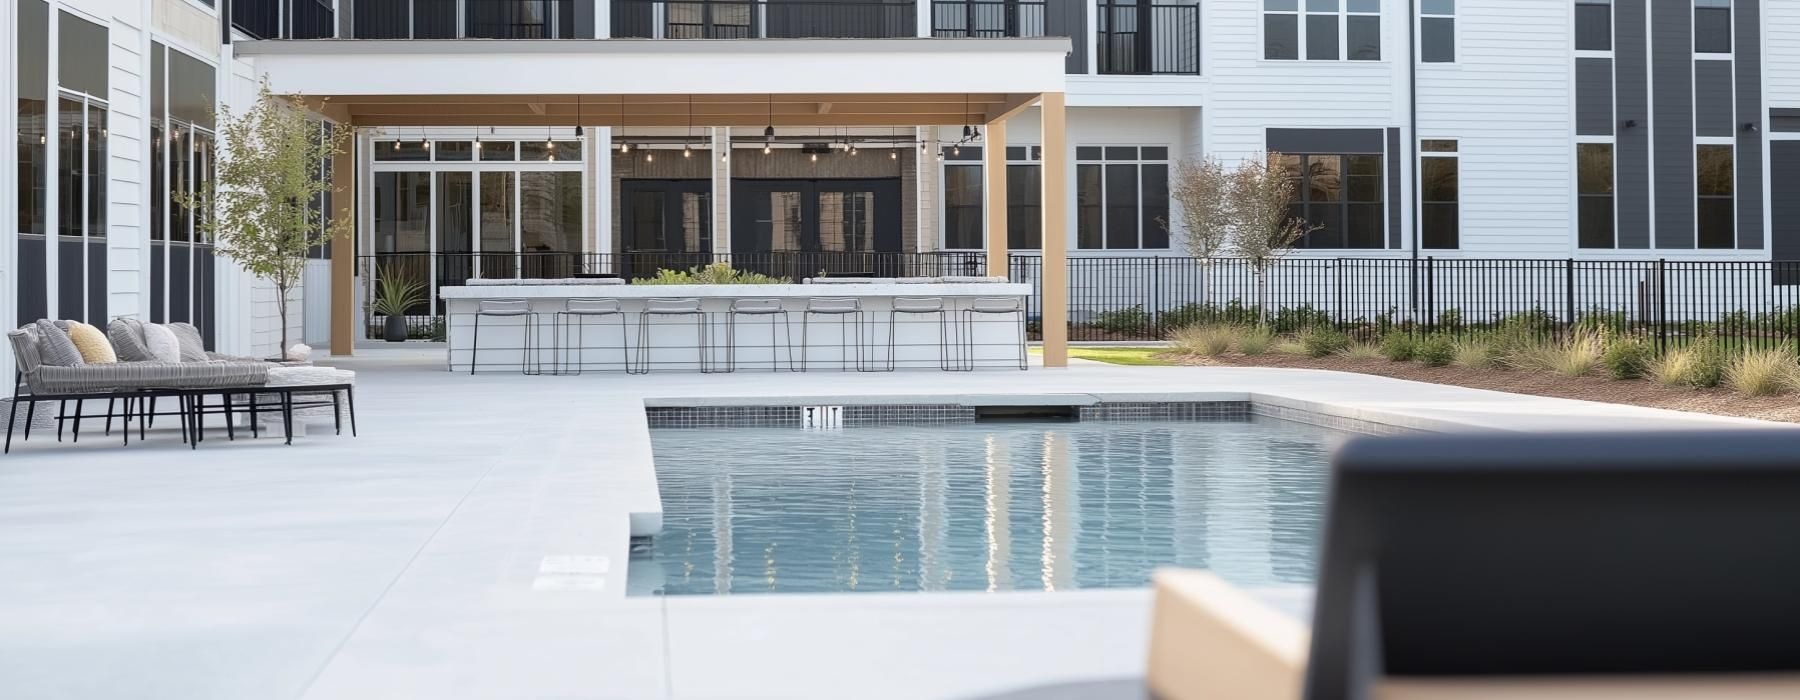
{"x":1116,"y":356}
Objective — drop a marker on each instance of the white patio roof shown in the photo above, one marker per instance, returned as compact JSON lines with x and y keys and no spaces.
{"x":848,"y":82}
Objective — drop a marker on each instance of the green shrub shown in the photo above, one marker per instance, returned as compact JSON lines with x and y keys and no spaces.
{"x":1436,"y":350}
{"x":1297,"y":319}
{"x":1628,"y":357}
{"x":1399,"y":347}
{"x":716,"y":273}
{"x":1320,"y":341}
{"x":1700,"y":364}
{"x":1256,"y":340}
{"x":1763,"y":372}
{"x":1711,"y":360}
{"x":1476,"y":353}
{"x":1289,"y":346}
{"x":1450,"y":318}
{"x":1211,"y":340}
{"x":1129,"y":320}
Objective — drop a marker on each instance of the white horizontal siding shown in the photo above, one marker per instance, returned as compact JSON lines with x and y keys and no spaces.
{"x":1781,"y":60}
{"x":1507,"y":102}
{"x":126,"y":170}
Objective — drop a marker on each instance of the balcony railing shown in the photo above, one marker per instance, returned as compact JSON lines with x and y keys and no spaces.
{"x":986,"y":19}
{"x":284,"y":19}
{"x":763,"y":19}
{"x":465,"y":19}
{"x":1149,"y":39}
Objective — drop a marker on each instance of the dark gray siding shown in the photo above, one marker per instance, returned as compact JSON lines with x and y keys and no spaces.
{"x":1712,"y":98}
{"x":1327,"y":140}
{"x":1393,"y":187}
{"x":1672,"y":123}
{"x":1593,"y":96}
{"x":1784,"y":200}
{"x":1069,"y":18}
{"x":1632,"y":154}
{"x":1749,"y":110}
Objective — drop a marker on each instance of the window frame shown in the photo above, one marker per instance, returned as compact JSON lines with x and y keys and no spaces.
{"x":1303,"y":200}
{"x":1455,"y":155}
{"x":1575,"y":25}
{"x":1730,"y":148}
{"x":1342,"y":13}
{"x":1731,"y":39}
{"x":1033,"y":158}
{"x":1611,"y":195}
{"x":1137,"y":163}
{"x":1455,"y":35}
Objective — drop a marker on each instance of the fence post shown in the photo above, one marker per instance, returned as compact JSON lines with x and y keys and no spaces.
{"x":1337,"y":291}
{"x":1156,"y":294}
{"x":1662,"y":306}
{"x":1429,"y":322}
{"x":1569,"y":289}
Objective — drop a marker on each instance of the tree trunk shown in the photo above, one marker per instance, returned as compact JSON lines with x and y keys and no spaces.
{"x":281,"y":296}
{"x":1262,"y":294}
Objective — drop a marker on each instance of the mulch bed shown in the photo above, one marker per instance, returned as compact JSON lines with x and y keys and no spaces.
{"x":1635,"y":392}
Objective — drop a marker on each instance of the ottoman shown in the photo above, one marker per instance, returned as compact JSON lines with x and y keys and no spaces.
{"x":302,"y":375}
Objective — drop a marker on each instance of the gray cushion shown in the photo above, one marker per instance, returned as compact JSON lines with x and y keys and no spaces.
{"x":127,"y":337}
{"x":148,"y":375}
{"x":54,"y":346}
{"x":193,"y":346}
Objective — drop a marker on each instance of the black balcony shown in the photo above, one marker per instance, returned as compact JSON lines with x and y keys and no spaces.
{"x":284,"y":19}
{"x":986,"y":19}
{"x":1149,"y":39}
{"x":466,"y":19}
{"x":763,"y":19}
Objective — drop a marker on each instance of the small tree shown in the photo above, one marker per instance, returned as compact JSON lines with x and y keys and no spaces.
{"x":1264,"y":230}
{"x":1201,"y":190}
{"x":266,"y":185}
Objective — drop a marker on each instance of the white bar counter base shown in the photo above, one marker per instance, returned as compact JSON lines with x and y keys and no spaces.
{"x":800,"y":341}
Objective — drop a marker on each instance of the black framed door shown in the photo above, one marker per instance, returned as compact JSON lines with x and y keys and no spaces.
{"x":800,"y":228}
{"x":664,"y":224}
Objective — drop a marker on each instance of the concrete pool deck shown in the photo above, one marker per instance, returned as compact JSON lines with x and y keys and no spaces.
{"x":473,"y":543}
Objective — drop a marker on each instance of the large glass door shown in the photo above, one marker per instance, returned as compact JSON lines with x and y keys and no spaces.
{"x":800,"y":228}
{"x":667,"y":224}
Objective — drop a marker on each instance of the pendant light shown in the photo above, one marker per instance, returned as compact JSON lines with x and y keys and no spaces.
{"x":624,"y":146}
{"x":578,"y":133}
{"x":967,"y":130}
{"x":769,"y":131}
{"x":687,"y":151}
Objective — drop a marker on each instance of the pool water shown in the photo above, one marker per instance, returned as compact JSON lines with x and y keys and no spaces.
{"x":983,"y":506}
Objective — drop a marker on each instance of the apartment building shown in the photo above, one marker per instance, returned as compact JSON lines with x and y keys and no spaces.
{"x":1586,"y":129}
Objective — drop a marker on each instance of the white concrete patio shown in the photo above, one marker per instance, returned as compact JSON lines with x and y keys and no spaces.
{"x":411,"y":561}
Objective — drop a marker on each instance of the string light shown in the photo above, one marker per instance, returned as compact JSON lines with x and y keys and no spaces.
{"x":686,"y":152}
{"x":815,"y":157}
{"x":649,"y":156}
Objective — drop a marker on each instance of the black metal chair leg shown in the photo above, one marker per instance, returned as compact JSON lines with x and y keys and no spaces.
{"x":62,"y":417}
{"x":230,"y":430}
{"x":350,"y":399}
{"x":124,"y":421}
{"x":109,"y":416}
{"x":13,"y":418}
{"x":337,"y":415}
{"x":475,"y":344}
{"x":75,"y":434}
{"x":287,"y":415}
{"x":30,"y":416}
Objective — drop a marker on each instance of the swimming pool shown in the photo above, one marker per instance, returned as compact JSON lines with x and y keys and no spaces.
{"x":983,"y":506}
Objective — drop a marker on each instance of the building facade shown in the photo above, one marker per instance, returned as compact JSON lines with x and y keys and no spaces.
{"x":1543,"y":129}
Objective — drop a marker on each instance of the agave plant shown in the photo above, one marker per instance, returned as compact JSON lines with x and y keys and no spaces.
{"x":395,"y":292}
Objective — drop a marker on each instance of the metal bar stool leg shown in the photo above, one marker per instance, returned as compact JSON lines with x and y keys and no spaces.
{"x":475,"y":345}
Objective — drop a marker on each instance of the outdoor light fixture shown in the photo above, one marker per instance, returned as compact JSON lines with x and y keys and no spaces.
{"x":1631,"y":123}
{"x":956,"y":150}
{"x":624,"y":146}
{"x":1748,"y":126}
{"x":578,"y":133}
{"x":766,"y":149}
{"x":687,"y":152}
{"x":649,"y":156}
{"x":725,"y":155}
{"x":893,"y":154}
{"x":815,"y":157}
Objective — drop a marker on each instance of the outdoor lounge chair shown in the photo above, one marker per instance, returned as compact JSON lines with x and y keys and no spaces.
{"x":1629,"y":565}
{"x":130,"y":380}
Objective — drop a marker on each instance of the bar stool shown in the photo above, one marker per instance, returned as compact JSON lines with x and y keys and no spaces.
{"x":686,"y":306}
{"x":920,"y":306}
{"x":508,"y":308}
{"x":770,"y":308}
{"x":581,"y":310}
{"x":847,"y":310}
{"x":990,"y":306}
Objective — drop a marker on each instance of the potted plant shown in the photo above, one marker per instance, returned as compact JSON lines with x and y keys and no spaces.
{"x":395,"y":293}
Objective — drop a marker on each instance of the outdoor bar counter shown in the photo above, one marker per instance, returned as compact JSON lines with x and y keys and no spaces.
{"x":851,"y":326}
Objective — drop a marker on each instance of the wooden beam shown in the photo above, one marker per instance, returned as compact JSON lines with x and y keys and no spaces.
{"x":1011,"y":108}
{"x":1054,"y":310}
{"x":758,"y":121}
{"x":824,"y":107}
{"x":343,"y":250}
{"x":993,"y":194}
{"x":983,"y":100}
{"x":536,"y":107}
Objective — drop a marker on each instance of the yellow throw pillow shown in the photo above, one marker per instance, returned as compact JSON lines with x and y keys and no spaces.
{"x":91,"y":343}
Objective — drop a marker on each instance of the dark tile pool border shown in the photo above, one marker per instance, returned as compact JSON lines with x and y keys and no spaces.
{"x":866,"y":415}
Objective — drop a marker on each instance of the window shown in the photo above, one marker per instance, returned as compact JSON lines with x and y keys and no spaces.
{"x":1593,"y":25}
{"x":1340,"y":194}
{"x":1122,"y":197}
{"x":1439,"y":195}
{"x":1329,"y":30}
{"x":82,"y":134}
{"x":1715,"y":211}
{"x":1712,"y":26}
{"x":964,"y":215}
{"x":1594,"y":189}
{"x":1437,"y":31}
{"x":33,"y":66}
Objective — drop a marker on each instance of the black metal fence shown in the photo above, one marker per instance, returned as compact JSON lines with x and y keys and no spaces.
{"x":1143,"y":298}
{"x":1148,"y":39}
{"x":464,"y":19}
{"x":987,"y":19}
{"x":759,"y":19}
{"x":284,"y":19}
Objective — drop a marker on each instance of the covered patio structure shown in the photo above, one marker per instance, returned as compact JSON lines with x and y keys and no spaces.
{"x":613,"y":84}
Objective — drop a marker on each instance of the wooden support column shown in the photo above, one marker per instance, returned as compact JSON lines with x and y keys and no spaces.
{"x":1054,"y":309}
{"x":343,"y":249}
{"x":993,"y":190}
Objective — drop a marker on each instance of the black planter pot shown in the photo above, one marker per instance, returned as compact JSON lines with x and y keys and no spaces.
{"x":395,"y":330}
